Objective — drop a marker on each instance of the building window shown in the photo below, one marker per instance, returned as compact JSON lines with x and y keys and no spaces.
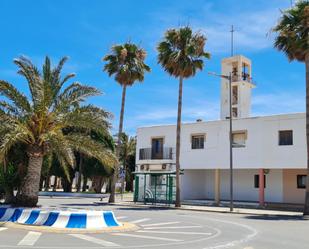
{"x":239,"y":139}
{"x":286,"y":137}
{"x":157,"y":148}
{"x":257,"y":181}
{"x":197,"y":141}
{"x":301,"y":181}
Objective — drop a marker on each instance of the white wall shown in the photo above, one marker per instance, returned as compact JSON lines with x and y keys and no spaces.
{"x":199,"y":184}
{"x":261,"y":151}
{"x":193,"y":184}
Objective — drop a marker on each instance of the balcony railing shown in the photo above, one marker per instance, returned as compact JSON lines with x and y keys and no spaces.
{"x":243,"y":77}
{"x":150,"y":154}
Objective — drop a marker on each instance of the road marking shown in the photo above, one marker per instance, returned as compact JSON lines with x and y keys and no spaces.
{"x":180,"y":227}
{"x":121,"y":217}
{"x":146,"y":237}
{"x":139,"y":221}
{"x":172,"y":232}
{"x":94,"y":240}
{"x":2,"y":228}
{"x":160,"y":224}
{"x":30,"y":239}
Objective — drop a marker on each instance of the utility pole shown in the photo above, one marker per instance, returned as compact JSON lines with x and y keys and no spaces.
{"x":231,"y":127}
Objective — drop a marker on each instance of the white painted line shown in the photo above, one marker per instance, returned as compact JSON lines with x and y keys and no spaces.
{"x":139,"y":221}
{"x":30,"y":239}
{"x":180,"y":227}
{"x":172,"y":232}
{"x":160,"y":224}
{"x":94,"y":240}
{"x":145,"y":237}
{"x":2,"y":228}
{"x":121,"y":217}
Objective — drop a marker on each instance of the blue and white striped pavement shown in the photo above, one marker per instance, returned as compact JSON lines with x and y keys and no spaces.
{"x":59,"y":219}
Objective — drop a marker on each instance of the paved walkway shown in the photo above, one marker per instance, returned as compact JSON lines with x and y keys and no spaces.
{"x":252,"y":210}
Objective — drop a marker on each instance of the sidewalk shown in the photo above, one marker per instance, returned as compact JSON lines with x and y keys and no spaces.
{"x":252,"y":208}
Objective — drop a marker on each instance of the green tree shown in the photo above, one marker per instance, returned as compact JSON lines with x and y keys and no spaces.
{"x":93,"y":168}
{"x":292,"y":37}
{"x":39,"y":122}
{"x":181,"y":54}
{"x":127,"y":149}
{"x":126,"y":63}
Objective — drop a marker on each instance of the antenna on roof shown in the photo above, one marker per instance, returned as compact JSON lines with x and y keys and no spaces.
{"x":232,"y":40}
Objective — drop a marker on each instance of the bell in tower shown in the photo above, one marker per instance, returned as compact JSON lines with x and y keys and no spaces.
{"x":240,"y":69}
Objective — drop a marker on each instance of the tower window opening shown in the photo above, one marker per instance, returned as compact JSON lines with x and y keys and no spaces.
{"x":245,"y":72}
{"x":234,"y":73}
{"x":234,"y":112}
{"x":234,"y":95}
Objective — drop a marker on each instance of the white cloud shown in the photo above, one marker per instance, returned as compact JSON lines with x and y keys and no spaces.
{"x":275,"y":103}
{"x":251,"y":25}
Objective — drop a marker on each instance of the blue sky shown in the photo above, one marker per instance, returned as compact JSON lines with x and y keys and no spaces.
{"x":85,"y":30}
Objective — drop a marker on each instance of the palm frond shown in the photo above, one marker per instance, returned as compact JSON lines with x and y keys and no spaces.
{"x":181,"y":52}
{"x":74,"y":94}
{"x":91,"y":148}
{"x":16,"y":134}
{"x":33,"y":76}
{"x":126,"y":63}
{"x":292,"y":31}
{"x":17,"y":98}
{"x":87,"y":117}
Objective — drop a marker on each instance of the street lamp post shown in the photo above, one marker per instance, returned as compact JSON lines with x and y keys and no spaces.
{"x":229,"y":78}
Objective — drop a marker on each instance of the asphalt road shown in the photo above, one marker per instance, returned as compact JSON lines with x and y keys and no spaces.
{"x":164,"y":228}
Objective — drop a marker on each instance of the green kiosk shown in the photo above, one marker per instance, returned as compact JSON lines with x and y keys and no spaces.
{"x":155,"y":187}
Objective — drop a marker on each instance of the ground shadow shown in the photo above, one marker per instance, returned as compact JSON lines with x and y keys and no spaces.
{"x":80,"y":204}
{"x":275,"y":217}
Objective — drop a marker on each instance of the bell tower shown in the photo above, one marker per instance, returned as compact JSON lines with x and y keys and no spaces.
{"x":240,"y":69}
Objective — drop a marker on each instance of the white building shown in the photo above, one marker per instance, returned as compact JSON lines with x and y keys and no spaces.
{"x":273,"y":146}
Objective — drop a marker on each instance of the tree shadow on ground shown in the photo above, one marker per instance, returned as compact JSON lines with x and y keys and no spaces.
{"x":142,"y":208}
{"x":276,"y":217}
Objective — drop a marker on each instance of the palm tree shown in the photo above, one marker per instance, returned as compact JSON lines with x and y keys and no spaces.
{"x":181,"y":54}
{"x":292,"y":38}
{"x":39,"y":122}
{"x":126,"y":63}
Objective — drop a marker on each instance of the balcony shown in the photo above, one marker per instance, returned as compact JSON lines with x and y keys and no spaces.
{"x":165,"y":153}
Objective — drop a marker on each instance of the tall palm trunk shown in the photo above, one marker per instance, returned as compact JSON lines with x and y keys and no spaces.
{"x":115,"y":175}
{"x":306,"y":207}
{"x":28,"y":196}
{"x":178,"y":132}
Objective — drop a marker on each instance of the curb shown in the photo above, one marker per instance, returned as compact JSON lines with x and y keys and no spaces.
{"x":77,"y":219}
{"x":126,"y":227}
